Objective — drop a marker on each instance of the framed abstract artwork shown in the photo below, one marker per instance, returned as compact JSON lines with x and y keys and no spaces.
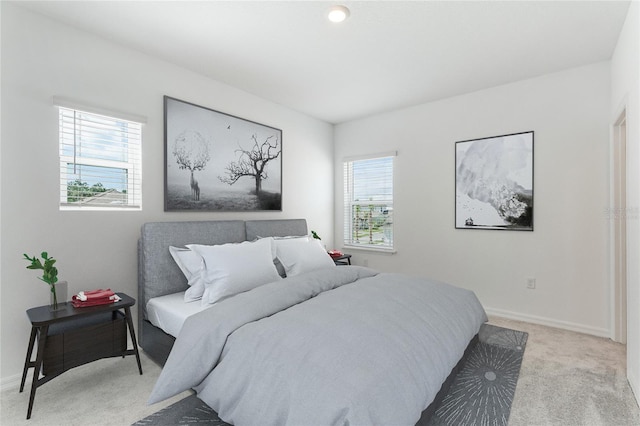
{"x":219,"y":162}
{"x":494,"y":183}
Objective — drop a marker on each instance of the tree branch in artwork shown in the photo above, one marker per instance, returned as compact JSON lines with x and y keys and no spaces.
{"x":191,"y":151}
{"x":253,"y":162}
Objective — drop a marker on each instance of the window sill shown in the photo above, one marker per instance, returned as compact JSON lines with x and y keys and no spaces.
{"x":370,"y":249}
{"x":68,"y":208}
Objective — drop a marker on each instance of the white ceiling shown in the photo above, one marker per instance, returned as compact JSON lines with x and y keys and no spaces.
{"x":387,"y":55}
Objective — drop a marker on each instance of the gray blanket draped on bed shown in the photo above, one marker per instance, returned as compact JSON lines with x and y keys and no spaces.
{"x":341,"y":346}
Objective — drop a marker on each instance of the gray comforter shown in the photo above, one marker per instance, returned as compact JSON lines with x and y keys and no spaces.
{"x":342,"y":346}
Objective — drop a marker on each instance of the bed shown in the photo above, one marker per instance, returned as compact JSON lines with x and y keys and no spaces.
{"x":159,"y":275}
{"x":324,"y":345}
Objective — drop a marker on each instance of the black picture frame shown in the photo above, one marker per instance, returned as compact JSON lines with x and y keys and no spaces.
{"x":494,"y":182}
{"x":219,"y":162}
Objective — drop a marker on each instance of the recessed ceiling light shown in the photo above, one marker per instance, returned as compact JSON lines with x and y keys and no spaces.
{"x":338,"y":13}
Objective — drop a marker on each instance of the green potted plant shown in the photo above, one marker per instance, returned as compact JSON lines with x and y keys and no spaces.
{"x":49,"y":273}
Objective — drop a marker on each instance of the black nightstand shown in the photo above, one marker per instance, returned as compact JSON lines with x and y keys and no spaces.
{"x":71,"y":337}
{"x":345,"y":259}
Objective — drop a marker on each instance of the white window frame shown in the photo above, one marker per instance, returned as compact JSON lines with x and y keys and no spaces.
{"x":350,"y":203}
{"x":71,"y":136}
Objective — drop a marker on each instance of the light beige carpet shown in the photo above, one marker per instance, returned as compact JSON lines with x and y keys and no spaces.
{"x":566,"y":379}
{"x":102,"y":393}
{"x":570,"y":379}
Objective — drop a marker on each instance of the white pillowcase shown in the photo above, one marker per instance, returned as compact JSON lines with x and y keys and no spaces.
{"x":299,"y":255}
{"x":288,"y":238}
{"x":234,"y":268}
{"x":192,"y":266}
{"x":276,"y":261}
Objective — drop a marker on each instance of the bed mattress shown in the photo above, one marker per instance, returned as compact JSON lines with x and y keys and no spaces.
{"x":170,"y":312}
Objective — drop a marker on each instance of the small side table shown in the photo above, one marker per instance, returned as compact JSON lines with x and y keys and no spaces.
{"x":71,"y":337}
{"x":345,"y":259}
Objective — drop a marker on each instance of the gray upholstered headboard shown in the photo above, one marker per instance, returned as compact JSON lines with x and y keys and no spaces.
{"x":275,"y":228}
{"x":158,"y":274}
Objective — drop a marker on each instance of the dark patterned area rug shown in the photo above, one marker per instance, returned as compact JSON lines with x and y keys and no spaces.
{"x":480,"y":394}
{"x":483,"y":389}
{"x":188,"y":411}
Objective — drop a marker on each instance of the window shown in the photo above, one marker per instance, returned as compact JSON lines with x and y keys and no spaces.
{"x":100,"y":161}
{"x":368,"y":202}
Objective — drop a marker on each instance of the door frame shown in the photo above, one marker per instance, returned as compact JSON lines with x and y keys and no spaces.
{"x":618,"y":230}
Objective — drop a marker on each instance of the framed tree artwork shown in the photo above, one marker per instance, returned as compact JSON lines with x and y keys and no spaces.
{"x":219,"y":162}
{"x":494,"y":183}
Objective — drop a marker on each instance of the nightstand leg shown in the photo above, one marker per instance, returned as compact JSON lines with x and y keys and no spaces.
{"x":42,"y":339}
{"x":133,"y":337}
{"x":27,"y":361}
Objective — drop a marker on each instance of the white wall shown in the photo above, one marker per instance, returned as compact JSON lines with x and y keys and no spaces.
{"x":625,"y":94}
{"x":566,"y":252}
{"x":0,"y":182}
{"x":40,"y":59}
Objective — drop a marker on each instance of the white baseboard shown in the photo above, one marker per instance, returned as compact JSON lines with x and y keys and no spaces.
{"x":10,"y":383}
{"x":565,"y":325}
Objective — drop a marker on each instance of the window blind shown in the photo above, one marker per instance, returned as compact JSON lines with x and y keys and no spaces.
{"x":100,"y":161}
{"x":368,"y":202}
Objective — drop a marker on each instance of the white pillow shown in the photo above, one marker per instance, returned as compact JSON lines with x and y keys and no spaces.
{"x":288,"y":238}
{"x":276,"y":261}
{"x":299,"y":255}
{"x":192,"y":266}
{"x":234,"y":268}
